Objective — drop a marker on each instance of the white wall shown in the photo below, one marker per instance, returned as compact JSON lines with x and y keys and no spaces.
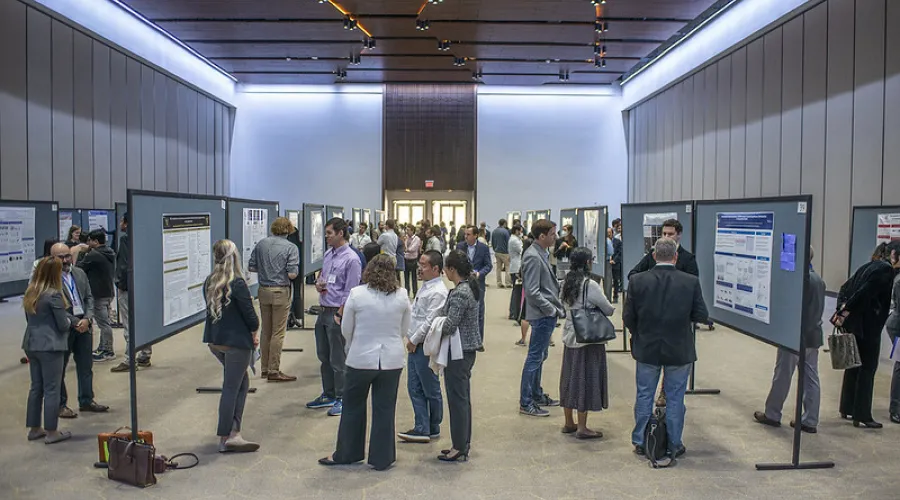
{"x":549,"y":151}
{"x":321,"y":147}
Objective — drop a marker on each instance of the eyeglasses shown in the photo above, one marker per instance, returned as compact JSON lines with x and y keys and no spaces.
{"x":64,"y":257}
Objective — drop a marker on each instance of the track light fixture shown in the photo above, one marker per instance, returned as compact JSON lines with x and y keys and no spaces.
{"x":564,"y":75}
{"x":444,"y":45}
{"x":599,"y":62}
{"x":601,"y":26}
{"x":598,"y":2}
{"x":368,"y":44}
{"x":422,"y":25}
{"x":349,"y":24}
{"x":341,"y":73}
{"x":477,"y":75}
{"x":459,"y":61}
{"x":435,"y":1}
{"x":599,"y":49}
{"x":355,"y":59}
{"x":323,"y":1}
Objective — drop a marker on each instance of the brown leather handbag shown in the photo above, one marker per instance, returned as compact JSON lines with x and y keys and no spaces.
{"x":131,"y":462}
{"x":104,"y":437}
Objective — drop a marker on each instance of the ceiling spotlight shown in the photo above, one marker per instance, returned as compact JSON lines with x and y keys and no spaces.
{"x":598,"y":2}
{"x":602,"y":63}
{"x":287,"y":58}
{"x":601,"y":26}
{"x":444,"y":45}
{"x":606,"y":26}
{"x":435,"y":1}
{"x":349,"y":24}
{"x":355,"y":59}
{"x":341,"y":74}
{"x":422,"y":25}
{"x":323,"y":1}
{"x":477,"y":75}
{"x":599,"y":62}
{"x":368,"y":44}
{"x":459,"y":61}
{"x":564,"y":75}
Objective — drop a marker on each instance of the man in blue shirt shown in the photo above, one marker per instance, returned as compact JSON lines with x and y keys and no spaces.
{"x":480,"y":256}
{"x":500,"y":241}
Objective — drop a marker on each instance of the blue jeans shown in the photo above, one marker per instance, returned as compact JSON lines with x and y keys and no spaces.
{"x":425,"y":394}
{"x":674,"y":385}
{"x":541,"y":329}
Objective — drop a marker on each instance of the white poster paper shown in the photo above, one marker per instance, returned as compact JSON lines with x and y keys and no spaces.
{"x":17,"y":245}
{"x":591,"y":232}
{"x":888,"y":228}
{"x":65,"y":223}
{"x":294,"y":217}
{"x":653,"y":228}
{"x":317,"y":235}
{"x":743,"y":261}
{"x":187,"y":261}
{"x":97,"y":219}
{"x":256,"y":224}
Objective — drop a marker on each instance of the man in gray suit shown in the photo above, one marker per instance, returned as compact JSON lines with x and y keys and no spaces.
{"x":786,"y":362}
{"x":542,"y":308}
{"x":81,"y":305}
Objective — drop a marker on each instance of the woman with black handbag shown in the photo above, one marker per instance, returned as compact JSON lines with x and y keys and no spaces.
{"x":583,"y":384}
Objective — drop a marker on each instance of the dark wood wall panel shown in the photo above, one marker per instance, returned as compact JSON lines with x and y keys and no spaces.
{"x":430,"y":134}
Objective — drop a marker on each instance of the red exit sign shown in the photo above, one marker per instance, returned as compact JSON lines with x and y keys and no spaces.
{"x":429,"y":184}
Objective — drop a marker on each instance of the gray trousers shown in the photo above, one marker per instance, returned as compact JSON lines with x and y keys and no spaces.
{"x":46,"y":377}
{"x":330,"y":351}
{"x":785,"y":363}
{"x":101,"y":319}
{"x":143,"y":354}
{"x":235,"y":385}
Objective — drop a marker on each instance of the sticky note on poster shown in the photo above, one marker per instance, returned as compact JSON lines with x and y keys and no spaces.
{"x":788,"y":252}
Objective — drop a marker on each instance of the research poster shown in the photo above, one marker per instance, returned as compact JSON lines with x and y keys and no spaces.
{"x":65,"y":223}
{"x":888,"y":228}
{"x":743,"y":260}
{"x":529,"y":220}
{"x":294,"y":217}
{"x":591,"y":232}
{"x":17,"y":245}
{"x":187,"y":261}
{"x":317,"y":233}
{"x":256,"y":224}
{"x":653,"y":228}
{"x":97,"y":219}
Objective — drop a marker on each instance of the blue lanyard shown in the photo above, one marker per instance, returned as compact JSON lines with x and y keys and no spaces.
{"x":69,"y":280}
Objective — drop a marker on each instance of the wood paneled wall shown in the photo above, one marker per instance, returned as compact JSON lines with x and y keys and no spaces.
{"x":430,"y":134}
{"x":812,"y":106}
{"x":81,"y":122}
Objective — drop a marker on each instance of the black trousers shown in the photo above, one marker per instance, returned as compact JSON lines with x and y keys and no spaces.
{"x":411,"y":276}
{"x":80,"y":345}
{"x":351,"y":440}
{"x":616,"y":280}
{"x":859,"y":383}
{"x":457,"y":377}
{"x":515,"y":298}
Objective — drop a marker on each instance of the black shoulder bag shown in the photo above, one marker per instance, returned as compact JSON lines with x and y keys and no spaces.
{"x":591,"y":325}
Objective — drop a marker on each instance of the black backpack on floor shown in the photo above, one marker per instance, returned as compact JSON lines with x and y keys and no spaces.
{"x":656,"y":439}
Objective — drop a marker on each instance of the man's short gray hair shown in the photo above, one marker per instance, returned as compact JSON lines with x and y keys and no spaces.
{"x":665,"y":250}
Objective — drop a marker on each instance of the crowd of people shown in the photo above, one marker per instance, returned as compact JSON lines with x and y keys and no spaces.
{"x":370,"y":327}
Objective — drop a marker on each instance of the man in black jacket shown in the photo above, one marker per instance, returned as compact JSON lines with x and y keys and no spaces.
{"x":122,"y":258}
{"x":99,"y":263}
{"x":659,"y":311}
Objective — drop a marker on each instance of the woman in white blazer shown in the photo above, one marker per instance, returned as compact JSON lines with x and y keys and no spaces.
{"x":375,"y":319}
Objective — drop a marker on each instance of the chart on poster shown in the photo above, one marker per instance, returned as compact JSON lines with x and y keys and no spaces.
{"x":256,"y":223}
{"x":888,"y":228}
{"x":97,"y":219}
{"x":653,"y":228}
{"x":17,"y":246}
{"x":317,"y":233}
{"x":743,"y":263}
{"x":187,"y":261}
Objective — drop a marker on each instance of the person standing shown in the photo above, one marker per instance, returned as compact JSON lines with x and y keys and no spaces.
{"x":615,"y":261}
{"x":123,"y":258}
{"x":500,"y":241}
{"x":410,"y":272}
{"x":480,"y":257}
{"x":232,"y":333}
{"x":399,"y":255}
{"x":515,"y":266}
{"x":99,"y":264}
{"x":361,"y":239}
{"x":434,"y":241}
{"x":542,"y":309}
{"x":786,"y":362}
{"x":388,"y":239}
{"x":46,"y":343}
{"x":893,"y":329}
{"x":863,"y":308}
{"x":483,"y":230}
{"x":77,"y":290}
{"x":422,"y":383}
{"x":376,"y":317}
{"x":583,"y":384}
{"x":276,"y":262}
{"x":660,"y":310}
{"x":341,"y":271}
{"x":461,"y":313}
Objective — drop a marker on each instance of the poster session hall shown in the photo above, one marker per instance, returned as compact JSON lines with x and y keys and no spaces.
{"x":449,"y":248}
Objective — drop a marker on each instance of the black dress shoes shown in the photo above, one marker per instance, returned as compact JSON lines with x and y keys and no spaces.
{"x":94,"y":407}
{"x":868,"y":425}
{"x":805,"y":428}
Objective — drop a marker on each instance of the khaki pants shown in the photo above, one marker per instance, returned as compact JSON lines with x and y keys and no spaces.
{"x":274,"y":307}
{"x":503,"y":266}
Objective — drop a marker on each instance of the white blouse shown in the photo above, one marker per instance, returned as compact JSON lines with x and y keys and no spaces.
{"x":374,"y":325}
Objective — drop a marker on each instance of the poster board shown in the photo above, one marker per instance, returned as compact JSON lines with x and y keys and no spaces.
{"x":871,"y":225}
{"x":512,"y":216}
{"x":313,"y":238}
{"x":593,"y":222}
{"x":24,"y":226}
{"x":380,"y":216}
{"x":68,"y":217}
{"x":529,"y":220}
{"x":570,"y":216}
{"x":634,"y":241}
{"x":367,"y":218}
{"x":248,"y":223}
{"x":738,"y":266}
{"x":181,"y":229}
{"x":296,"y":218}
{"x":121,"y":209}
{"x":356,"y":217}
{"x":332,"y":212}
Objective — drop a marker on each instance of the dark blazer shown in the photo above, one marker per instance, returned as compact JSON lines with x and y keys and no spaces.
{"x":482,"y":261}
{"x":238,"y":321}
{"x":686,"y":262}
{"x":617,"y":252}
{"x":660,"y":309}
{"x":48,"y":327}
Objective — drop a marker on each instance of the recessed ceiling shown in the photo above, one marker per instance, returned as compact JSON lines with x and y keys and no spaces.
{"x":508,"y":42}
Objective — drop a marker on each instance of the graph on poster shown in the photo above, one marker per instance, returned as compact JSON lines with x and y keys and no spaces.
{"x":256,"y":223}
{"x":17,"y":245}
{"x":888,"y":228}
{"x":187,"y":261}
{"x":743,"y":263}
{"x":97,"y":219}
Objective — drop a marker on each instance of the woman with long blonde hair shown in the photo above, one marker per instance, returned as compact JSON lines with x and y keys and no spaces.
{"x":231,"y":331}
{"x":46,"y":343}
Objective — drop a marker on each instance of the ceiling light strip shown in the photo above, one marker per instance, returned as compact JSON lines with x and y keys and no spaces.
{"x":173,"y":38}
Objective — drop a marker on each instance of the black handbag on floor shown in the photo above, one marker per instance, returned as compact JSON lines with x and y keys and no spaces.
{"x":590,"y":324}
